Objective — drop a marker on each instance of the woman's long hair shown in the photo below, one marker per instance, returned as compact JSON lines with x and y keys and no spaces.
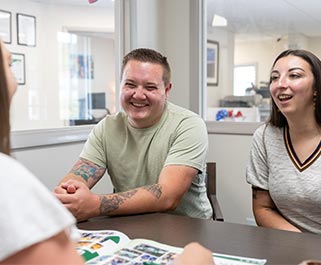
{"x":4,"y":109}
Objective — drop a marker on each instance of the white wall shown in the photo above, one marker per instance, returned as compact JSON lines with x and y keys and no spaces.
{"x":148,"y":25}
{"x":176,"y":37}
{"x":230,"y":152}
{"x":51,"y":163}
{"x":314,"y":46}
{"x":261,"y":53}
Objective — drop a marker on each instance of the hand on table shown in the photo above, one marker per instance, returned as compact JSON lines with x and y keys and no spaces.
{"x":78,"y":199}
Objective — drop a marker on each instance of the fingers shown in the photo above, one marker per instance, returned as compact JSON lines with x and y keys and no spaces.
{"x":60,"y":190}
{"x":194,"y":253}
{"x":68,"y":187}
{"x":65,"y":198}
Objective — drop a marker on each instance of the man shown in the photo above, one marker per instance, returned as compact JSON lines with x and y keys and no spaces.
{"x":154,"y":151}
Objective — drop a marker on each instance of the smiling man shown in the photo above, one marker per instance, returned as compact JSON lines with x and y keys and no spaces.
{"x":154,"y":151}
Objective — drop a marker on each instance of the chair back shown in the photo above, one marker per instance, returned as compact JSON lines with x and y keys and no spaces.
{"x":211,"y":191}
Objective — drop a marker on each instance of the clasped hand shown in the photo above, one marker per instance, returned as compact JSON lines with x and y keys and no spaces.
{"x":78,"y":199}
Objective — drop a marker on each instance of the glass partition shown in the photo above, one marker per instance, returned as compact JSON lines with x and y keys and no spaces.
{"x":250,"y":34}
{"x":69,"y":66}
{"x":87,"y":83}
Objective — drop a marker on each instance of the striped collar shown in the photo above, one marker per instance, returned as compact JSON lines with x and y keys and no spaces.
{"x":296,"y":161}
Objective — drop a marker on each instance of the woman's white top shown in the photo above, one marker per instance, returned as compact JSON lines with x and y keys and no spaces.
{"x":29,"y":213}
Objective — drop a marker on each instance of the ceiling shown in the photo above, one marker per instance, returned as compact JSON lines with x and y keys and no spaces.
{"x":268,"y":18}
{"x":249,"y":19}
{"x":106,"y":4}
{"x":99,"y":3}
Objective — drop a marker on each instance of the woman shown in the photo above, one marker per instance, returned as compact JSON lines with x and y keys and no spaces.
{"x":285,"y":163}
{"x":34,"y":226}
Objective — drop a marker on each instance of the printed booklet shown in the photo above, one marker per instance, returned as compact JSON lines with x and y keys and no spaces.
{"x":100,"y":247}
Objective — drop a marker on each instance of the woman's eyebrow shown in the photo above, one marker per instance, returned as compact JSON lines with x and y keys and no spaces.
{"x":296,"y":68}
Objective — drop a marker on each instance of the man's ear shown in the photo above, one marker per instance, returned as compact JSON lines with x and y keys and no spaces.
{"x":168,"y":89}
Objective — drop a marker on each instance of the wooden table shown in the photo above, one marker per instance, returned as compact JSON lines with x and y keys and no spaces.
{"x":278,"y":247}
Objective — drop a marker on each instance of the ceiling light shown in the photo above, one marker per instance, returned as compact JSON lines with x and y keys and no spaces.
{"x":219,"y":21}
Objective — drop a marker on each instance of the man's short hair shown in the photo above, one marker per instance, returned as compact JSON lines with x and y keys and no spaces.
{"x":150,"y":56}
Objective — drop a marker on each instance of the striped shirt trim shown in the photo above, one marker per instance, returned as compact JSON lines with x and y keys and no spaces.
{"x":296,"y":161}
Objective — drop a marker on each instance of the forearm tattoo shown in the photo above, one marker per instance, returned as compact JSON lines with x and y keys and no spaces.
{"x":155,"y":189}
{"x":88,"y":170}
{"x":109,"y":203}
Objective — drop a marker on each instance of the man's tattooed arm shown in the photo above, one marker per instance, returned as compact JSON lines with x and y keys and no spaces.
{"x":155,"y":189}
{"x":110,"y":203}
{"x":89,"y":171}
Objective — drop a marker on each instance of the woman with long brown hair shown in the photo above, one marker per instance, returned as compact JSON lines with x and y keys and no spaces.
{"x":285,"y":163}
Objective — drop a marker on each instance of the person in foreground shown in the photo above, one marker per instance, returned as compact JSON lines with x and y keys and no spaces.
{"x":35,"y":228}
{"x":285,"y":162}
{"x":194,"y":254}
{"x":154,"y":151}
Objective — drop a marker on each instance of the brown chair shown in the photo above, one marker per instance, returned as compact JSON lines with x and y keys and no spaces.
{"x":211,"y":191}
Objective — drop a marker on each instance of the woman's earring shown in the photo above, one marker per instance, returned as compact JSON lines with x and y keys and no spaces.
{"x":314,"y":98}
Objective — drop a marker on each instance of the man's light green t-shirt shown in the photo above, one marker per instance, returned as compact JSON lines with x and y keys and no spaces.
{"x":135,"y":157}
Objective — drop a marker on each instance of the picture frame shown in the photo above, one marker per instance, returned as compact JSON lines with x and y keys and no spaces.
{"x":5,"y":26}
{"x":212,"y":56}
{"x":26,"y":30}
{"x":18,"y":67}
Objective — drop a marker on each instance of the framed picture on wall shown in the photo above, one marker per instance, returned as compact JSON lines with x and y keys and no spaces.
{"x":18,"y":67}
{"x":212,"y":55}
{"x":26,"y":29}
{"x":5,"y":26}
